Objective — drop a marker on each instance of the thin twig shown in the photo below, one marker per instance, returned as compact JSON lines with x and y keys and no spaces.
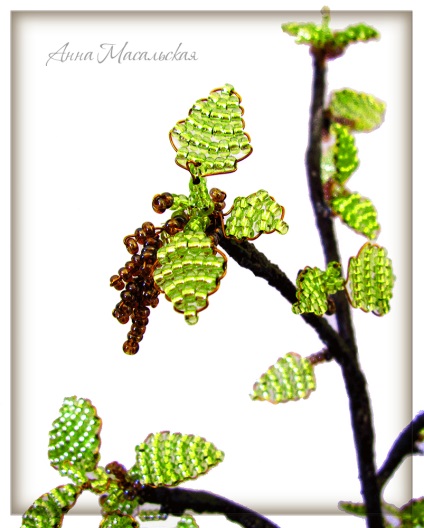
{"x":405,"y":445}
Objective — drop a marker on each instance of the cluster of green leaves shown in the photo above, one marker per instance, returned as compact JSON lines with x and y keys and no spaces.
{"x":211,"y":140}
{"x":163,"y":459}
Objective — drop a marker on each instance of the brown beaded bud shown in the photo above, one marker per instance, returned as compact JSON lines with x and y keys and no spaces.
{"x":217,"y":195}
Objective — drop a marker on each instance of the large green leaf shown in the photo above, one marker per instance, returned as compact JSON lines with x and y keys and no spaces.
{"x":48,"y":510}
{"x":370,"y":279}
{"x":166,"y":459}
{"x":189,"y":270}
{"x":75,"y":438}
{"x":289,"y":379}
{"x":314,"y":286}
{"x":357,"y":212}
{"x":358,"y":111}
{"x":211,"y":140}
{"x":255,"y":214}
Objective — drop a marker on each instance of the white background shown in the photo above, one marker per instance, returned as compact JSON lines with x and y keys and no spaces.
{"x":91,"y":149}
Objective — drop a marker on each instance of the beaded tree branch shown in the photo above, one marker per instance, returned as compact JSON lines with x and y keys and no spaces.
{"x":181,"y":258}
{"x":163,"y":461}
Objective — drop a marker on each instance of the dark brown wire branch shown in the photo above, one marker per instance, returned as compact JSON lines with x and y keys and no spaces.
{"x":356,"y":387}
{"x":405,"y":445}
{"x":176,"y":501}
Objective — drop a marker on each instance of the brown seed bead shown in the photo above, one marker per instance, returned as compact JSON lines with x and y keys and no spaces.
{"x":125,"y":274}
{"x":152,"y":242}
{"x":172,"y":226}
{"x":219,"y":206}
{"x":142,"y":313}
{"x":146,"y":270}
{"x":158,"y":204}
{"x":217,"y":195}
{"x":139,"y":235}
{"x":127,"y":297}
{"x":130,"y":347}
{"x":134,"y":337}
{"x":137,"y":260}
{"x":117,"y":283}
{"x":122,"y":318}
{"x":154,"y":302}
{"x":137,"y":329}
{"x":148,"y":229}
{"x":169,"y":199}
{"x":132,"y":287}
{"x":131,"y":245}
{"x":149,"y":254}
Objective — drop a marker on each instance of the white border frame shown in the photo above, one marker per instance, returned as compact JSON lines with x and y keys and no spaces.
{"x":5,"y":10}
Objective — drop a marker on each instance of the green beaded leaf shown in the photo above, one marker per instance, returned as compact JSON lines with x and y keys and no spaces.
{"x":75,"y":439}
{"x":187,"y":521}
{"x":189,"y":270}
{"x":314,"y":286}
{"x":358,"y":111}
{"x":290,"y":379}
{"x":370,"y":279}
{"x":411,"y":515}
{"x":255,"y":214}
{"x":335,"y":42}
{"x":118,"y":520}
{"x":345,"y":153}
{"x":48,"y":510}
{"x":211,"y":140}
{"x":357,"y":212}
{"x":166,"y":459}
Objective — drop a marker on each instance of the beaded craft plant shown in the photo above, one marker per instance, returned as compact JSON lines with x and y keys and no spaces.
{"x":181,"y":258}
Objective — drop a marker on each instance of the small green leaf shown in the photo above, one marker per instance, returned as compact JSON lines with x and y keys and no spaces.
{"x":211,"y":140}
{"x":187,"y":521}
{"x":314,"y":286}
{"x":370,"y":279}
{"x":74,"y":439}
{"x":358,"y":111}
{"x":355,"y":508}
{"x":256,"y":214}
{"x":357,"y":212}
{"x":189,"y":270}
{"x":412,"y":514}
{"x":289,"y":379}
{"x":345,"y":153}
{"x":406,"y":517}
{"x":48,"y":510}
{"x":118,"y":520}
{"x":355,"y":33}
{"x":166,"y":459}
